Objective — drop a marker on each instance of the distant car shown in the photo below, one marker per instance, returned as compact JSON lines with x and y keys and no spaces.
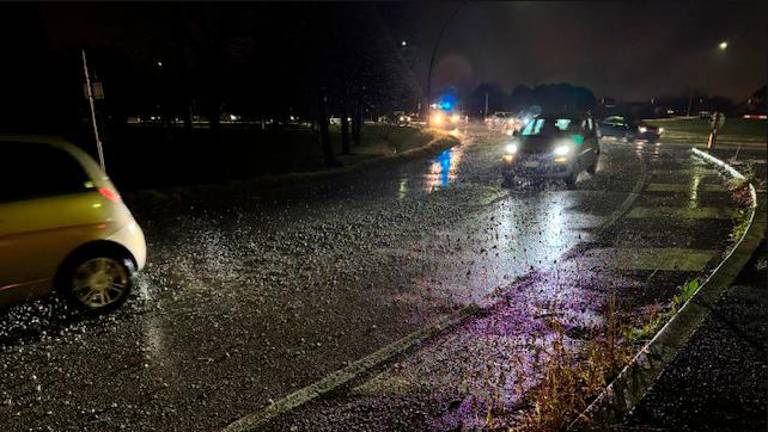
{"x":629,"y":129}
{"x":553,"y":145}
{"x":63,"y":227}
{"x":441,"y":119}
{"x":401,"y":118}
{"x":504,"y":122}
{"x":336,"y":121}
{"x":499,"y":119}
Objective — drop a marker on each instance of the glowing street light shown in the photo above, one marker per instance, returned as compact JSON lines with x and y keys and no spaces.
{"x":159,"y":64}
{"x":723,"y":45}
{"x":403,"y":43}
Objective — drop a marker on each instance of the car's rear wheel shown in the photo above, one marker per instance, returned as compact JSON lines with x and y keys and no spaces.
{"x":96,"y":283}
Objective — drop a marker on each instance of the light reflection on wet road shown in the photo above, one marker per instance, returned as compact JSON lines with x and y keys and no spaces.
{"x":253,"y":295}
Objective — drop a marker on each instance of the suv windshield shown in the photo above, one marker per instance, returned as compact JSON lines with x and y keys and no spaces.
{"x":547,"y":126}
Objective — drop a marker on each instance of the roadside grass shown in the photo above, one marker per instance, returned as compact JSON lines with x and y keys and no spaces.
{"x":697,"y":130}
{"x":571,"y":378}
{"x":142,"y":157}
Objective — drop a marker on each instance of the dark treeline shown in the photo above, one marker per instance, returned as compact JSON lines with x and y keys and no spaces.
{"x":180,"y":61}
{"x":549,"y":97}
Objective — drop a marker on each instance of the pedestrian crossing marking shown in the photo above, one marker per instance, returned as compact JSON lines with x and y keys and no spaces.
{"x":675,"y":187}
{"x":681,"y":213}
{"x":662,"y":259}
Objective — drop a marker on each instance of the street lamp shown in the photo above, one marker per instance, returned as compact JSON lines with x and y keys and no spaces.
{"x":723,"y":45}
{"x":403,"y":43}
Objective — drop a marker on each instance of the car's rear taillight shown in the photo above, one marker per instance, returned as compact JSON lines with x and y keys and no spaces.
{"x":109,"y":194}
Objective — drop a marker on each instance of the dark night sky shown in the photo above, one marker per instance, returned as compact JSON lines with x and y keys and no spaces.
{"x":632,"y":51}
{"x":629,"y":51}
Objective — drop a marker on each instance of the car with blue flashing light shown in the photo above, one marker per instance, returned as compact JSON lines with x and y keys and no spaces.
{"x":446,"y":119}
{"x":553,"y":146}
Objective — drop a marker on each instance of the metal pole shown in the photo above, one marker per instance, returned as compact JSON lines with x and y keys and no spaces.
{"x":89,"y":91}
{"x":432,"y":59}
{"x":485,"y":114}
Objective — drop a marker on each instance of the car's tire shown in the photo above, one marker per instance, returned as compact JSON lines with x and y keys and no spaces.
{"x":507,"y":181}
{"x":570,"y":179}
{"x":96,"y":282}
{"x":593,"y":166}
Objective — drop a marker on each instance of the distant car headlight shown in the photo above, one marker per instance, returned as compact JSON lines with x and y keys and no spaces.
{"x":563,"y":150}
{"x":402,"y":118}
{"x":643,"y":129}
{"x":661,"y":130}
{"x":510,"y":148}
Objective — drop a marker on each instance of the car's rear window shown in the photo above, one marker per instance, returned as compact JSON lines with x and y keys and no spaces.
{"x":33,"y":170}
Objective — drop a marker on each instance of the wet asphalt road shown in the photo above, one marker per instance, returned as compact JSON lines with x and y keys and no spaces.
{"x":250,"y":295}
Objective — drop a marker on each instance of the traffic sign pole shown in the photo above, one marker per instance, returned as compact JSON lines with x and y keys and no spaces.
{"x":89,"y":91}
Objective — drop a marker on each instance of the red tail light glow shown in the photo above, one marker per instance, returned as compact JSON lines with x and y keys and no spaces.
{"x":109,"y":194}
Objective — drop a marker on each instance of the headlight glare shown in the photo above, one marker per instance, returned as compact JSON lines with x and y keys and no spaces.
{"x":563,"y":150}
{"x":511,"y":148}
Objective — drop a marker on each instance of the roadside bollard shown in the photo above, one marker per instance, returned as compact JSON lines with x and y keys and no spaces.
{"x":718,"y":119}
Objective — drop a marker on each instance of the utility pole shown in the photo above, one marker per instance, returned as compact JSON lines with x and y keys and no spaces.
{"x":485,"y":113}
{"x":89,"y":92}
{"x":428,"y":96}
{"x":690,"y":102}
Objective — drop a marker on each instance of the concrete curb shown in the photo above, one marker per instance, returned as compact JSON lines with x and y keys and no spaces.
{"x":341,"y":377}
{"x":634,"y":381}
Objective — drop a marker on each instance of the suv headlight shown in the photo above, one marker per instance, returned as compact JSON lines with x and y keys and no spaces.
{"x":563,"y":150}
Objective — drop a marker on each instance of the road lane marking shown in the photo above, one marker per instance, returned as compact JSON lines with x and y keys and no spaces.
{"x":676,"y":187}
{"x":681,"y":213}
{"x":628,"y":201}
{"x":658,"y":259}
{"x":343,"y":376}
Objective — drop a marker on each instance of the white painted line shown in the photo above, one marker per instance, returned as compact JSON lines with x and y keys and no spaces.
{"x":627,"y":203}
{"x":668,"y":187}
{"x":664,"y":259}
{"x":680,"y":213}
{"x":335,"y":380}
